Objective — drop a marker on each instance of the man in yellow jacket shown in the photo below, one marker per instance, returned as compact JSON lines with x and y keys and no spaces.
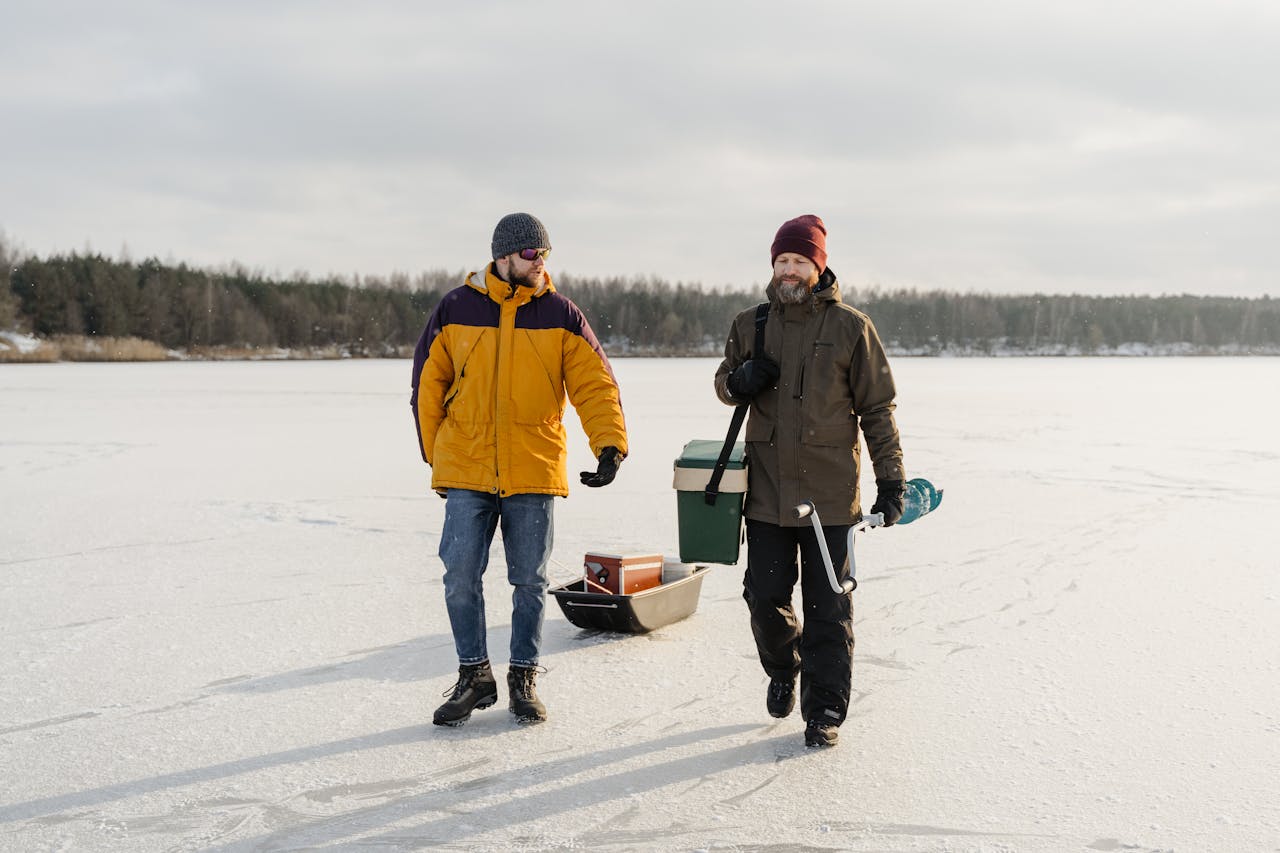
{"x":491,"y":374}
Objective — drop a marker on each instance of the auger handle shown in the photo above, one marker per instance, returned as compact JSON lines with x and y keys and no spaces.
{"x":809,"y":511}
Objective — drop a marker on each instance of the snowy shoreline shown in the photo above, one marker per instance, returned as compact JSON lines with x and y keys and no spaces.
{"x":16,"y":347}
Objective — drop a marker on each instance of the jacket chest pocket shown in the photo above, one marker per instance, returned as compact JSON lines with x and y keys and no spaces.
{"x":535,"y":387}
{"x":826,"y":370}
{"x":463,"y":401}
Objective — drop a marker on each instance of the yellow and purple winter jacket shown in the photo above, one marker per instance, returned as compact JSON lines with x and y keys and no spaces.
{"x":490,"y":376}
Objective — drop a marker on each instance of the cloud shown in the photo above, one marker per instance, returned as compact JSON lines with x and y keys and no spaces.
{"x":990,"y":145}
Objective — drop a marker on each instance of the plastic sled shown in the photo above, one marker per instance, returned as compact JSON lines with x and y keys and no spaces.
{"x":637,"y":613}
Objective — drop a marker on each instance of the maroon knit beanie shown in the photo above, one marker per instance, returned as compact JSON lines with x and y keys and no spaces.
{"x":804,"y":235}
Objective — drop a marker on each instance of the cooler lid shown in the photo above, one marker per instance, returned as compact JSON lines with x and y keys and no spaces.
{"x":703,"y":453}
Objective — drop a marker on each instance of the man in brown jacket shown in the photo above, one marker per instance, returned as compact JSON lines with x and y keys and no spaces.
{"x":823,"y":375}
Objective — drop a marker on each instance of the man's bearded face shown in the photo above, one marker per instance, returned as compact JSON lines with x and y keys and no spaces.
{"x":794,"y":277}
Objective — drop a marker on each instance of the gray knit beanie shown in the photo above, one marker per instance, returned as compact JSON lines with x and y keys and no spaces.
{"x":518,"y":231}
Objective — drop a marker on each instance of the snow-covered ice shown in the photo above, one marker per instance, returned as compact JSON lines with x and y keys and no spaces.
{"x":222,"y":625}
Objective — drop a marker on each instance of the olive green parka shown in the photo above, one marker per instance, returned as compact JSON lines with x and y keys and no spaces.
{"x":803,"y":434}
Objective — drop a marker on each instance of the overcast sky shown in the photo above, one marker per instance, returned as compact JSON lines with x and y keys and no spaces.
{"x":1005,"y":146}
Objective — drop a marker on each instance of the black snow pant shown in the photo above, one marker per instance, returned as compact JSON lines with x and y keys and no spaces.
{"x":821,"y":650}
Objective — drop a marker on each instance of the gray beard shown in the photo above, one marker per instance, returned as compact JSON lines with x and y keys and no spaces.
{"x":793,"y":294}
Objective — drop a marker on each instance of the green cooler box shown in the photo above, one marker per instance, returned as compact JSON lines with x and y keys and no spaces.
{"x":710,"y":534}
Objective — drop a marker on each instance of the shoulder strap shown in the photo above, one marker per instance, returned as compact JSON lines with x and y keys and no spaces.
{"x":762,"y":314}
{"x":739,"y":415}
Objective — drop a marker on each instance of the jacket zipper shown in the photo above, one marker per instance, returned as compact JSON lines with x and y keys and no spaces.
{"x":504,"y":359}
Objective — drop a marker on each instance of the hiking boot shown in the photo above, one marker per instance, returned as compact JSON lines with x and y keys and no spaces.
{"x":525,"y":703}
{"x":818,"y":734}
{"x":782,"y":696}
{"x":474,"y":689}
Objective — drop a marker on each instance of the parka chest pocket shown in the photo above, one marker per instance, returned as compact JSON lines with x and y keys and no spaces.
{"x":457,"y":404}
{"x":462,"y":399}
{"x":538,"y":396}
{"x":827,"y":356}
{"x":827,"y":361}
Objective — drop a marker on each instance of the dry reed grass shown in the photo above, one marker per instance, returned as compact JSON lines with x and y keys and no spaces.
{"x":85,"y":348}
{"x":82,"y":348}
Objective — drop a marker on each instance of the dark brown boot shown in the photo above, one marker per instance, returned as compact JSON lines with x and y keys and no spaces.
{"x":525,"y":703}
{"x":474,"y":689}
{"x":819,"y":734}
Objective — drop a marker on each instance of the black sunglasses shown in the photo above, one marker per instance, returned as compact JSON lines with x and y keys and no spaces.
{"x":534,"y":254}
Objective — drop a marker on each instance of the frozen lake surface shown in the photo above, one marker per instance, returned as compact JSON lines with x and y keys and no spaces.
{"x":222,"y":626}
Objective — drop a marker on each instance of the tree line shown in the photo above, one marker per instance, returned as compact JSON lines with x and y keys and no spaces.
{"x":185,"y":308}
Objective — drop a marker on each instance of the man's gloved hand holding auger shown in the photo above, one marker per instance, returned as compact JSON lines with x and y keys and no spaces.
{"x":889,"y":497}
{"x":752,"y":376}
{"x":606,"y":468}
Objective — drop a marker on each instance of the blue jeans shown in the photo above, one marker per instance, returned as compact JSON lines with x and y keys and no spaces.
{"x":470,"y":519}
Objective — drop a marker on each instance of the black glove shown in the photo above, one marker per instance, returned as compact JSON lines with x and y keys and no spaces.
{"x":889,"y":495}
{"x":753,"y":376}
{"x":606,"y":470}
